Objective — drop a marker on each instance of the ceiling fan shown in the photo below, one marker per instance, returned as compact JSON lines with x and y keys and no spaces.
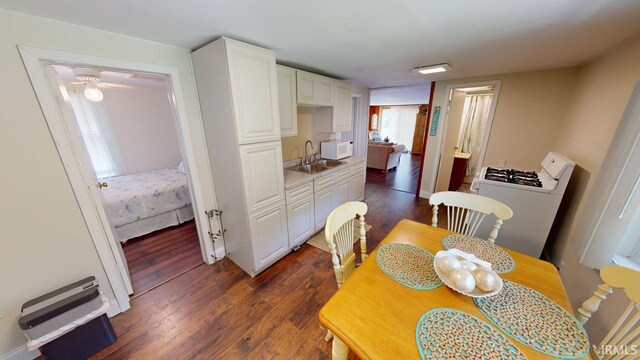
{"x":92,"y":80}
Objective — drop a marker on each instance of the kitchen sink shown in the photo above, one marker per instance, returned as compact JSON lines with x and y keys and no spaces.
{"x":316,"y":167}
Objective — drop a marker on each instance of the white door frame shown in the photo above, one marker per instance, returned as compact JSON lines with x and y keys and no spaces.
{"x":35,"y":60}
{"x":487,"y":131}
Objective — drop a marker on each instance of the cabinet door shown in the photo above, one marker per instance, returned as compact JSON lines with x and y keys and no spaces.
{"x":287,"y":101}
{"x":342,"y":107}
{"x":323,"y":206}
{"x":324,"y":88}
{"x":306,"y":88}
{"x":356,"y":190}
{"x":262,"y":174}
{"x":341,"y":193}
{"x":254,"y":92}
{"x":269,"y":236}
{"x":301,"y":221}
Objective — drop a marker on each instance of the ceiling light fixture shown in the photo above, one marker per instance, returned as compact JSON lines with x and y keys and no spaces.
{"x":92,"y":93}
{"x":432,"y":69}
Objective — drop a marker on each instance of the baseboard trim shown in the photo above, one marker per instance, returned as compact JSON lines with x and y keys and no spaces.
{"x":21,"y":353}
{"x":425,"y":194}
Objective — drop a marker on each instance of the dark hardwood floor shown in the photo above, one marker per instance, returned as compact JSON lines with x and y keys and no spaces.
{"x":220,"y":312}
{"x":403,"y":178}
{"x":158,"y":257}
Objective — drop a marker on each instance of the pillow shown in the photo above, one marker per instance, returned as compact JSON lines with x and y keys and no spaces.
{"x":181,"y":168}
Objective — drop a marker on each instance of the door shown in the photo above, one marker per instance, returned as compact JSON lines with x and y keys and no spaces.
{"x":262,"y":174}
{"x":254,"y":89}
{"x":323,"y":206}
{"x":287,"y":101}
{"x":306,"y":88}
{"x":269,"y":236}
{"x":324,"y":88}
{"x":342,"y":108}
{"x":301,"y":221}
{"x":91,"y":180}
{"x":341,"y":193}
{"x":452,"y":125}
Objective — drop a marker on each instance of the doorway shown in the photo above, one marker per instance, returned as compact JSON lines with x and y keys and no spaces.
{"x":468,"y":120}
{"x":395,"y":146}
{"x":125,"y":125}
{"x":39,"y":64}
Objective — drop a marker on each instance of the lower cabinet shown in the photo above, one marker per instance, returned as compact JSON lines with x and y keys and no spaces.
{"x":341,"y":193}
{"x":269,"y":235}
{"x":356,"y":188}
{"x":301,"y":221}
{"x":323,"y":206}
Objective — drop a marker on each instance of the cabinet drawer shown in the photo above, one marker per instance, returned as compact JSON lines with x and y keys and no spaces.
{"x":357,"y":169}
{"x":300,"y":193}
{"x":342,"y":174}
{"x":323,"y":182}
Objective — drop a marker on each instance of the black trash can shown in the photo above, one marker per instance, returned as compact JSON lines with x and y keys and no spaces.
{"x":52,"y":311}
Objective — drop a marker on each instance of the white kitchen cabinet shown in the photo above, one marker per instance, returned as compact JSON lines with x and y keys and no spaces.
{"x":341,"y":192}
{"x":323,"y":206}
{"x":324,"y":89}
{"x":356,"y":189}
{"x":301,"y":221}
{"x":254,"y":89}
{"x":342,"y":103}
{"x":263,"y":179}
{"x":287,"y":101}
{"x":237,"y":89}
{"x":306,"y":88}
{"x":269,"y":233}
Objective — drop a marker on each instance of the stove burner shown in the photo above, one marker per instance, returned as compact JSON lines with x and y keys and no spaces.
{"x":513,"y":176}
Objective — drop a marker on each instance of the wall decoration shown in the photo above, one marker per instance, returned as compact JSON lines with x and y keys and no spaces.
{"x":434,"y":121}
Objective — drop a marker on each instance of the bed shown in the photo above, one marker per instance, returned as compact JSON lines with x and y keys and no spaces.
{"x":139,"y":204}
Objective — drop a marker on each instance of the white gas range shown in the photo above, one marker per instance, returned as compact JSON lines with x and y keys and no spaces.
{"x":534,"y":198}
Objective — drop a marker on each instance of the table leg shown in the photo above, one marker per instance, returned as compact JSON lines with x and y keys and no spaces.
{"x":339,"y":351}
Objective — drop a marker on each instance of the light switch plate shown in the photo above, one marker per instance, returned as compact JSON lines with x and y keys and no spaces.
{"x":502,"y":163}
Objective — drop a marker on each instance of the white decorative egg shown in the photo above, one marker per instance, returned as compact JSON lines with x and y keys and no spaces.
{"x":462,"y":280}
{"x":485,"y":281}
{"x":447,"y":263}
{"x":468,"y":265}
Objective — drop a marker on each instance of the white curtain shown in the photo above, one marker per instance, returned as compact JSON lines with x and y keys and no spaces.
{"x":399,"y":124}
{"x":474,"y":121}
{"x":97,"y":135}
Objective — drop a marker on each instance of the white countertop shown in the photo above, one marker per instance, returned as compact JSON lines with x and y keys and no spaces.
{"x":294,"y":178}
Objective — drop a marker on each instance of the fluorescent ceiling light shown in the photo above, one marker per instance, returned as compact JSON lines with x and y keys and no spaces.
{"x":432,"y":69}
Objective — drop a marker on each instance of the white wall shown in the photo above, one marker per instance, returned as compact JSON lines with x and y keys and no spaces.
{"x":143,"y":125}
{"x":45,"y":243}
{"x":401,"y":95}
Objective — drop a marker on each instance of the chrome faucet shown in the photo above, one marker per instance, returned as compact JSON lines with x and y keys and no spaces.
{"x":306,"y":159}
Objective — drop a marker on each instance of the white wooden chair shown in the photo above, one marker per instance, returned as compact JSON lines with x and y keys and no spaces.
{"x":623,"y":340}
{"x":339,"y":232}
{"x":465,"y":212}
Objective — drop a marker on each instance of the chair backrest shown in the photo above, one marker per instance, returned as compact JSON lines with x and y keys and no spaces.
{"x":623,"y":340}
{"x":465,"y":212}
{"x":339,"y":232}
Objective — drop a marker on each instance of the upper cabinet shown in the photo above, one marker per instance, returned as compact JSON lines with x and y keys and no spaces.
{"x":317,"y":90}
{"x":287,"y":101}
{"x":342,"y":107}
{"x":253,"y":82}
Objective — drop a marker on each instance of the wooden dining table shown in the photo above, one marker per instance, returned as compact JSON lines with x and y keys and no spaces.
{"x":376,"y":317}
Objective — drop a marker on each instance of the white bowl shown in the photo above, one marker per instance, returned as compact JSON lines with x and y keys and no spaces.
{"x":461,"y":255}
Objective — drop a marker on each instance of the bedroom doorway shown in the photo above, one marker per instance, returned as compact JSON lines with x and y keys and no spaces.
{"x":84,"y":182}
{"x":125,"y":126}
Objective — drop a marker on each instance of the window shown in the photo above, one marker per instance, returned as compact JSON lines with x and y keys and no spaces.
{"x":96,"y":134}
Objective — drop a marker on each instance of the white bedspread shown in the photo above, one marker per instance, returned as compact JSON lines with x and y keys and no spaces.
{"x":134,"y":197}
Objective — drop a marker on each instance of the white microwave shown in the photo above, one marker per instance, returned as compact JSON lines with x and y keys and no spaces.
{"x":336,"y":150}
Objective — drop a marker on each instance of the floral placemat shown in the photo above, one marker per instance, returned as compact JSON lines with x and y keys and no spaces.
{"x":451,"y":334}
{"x":501,"y":262}
{"x":534,"y":320}
{"x":409,"y":265}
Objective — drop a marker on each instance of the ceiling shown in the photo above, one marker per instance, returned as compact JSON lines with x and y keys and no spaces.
{"x":373,"y":42}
